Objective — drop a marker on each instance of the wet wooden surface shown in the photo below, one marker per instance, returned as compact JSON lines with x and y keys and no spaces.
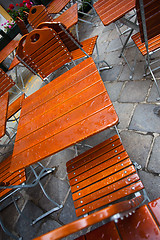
{"x":111,"y":10}
{"x":69,"y":109}
{"x":57,"y":5}
{"x":101,"y":176}
{"x":3,"y":113}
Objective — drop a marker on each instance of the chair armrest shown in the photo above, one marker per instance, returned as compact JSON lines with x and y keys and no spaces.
{"x":108,"y":212}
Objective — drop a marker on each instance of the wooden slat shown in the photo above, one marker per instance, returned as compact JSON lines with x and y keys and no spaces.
{"x":6,"y":178}
{"x":57,"y":5}
{"x":3,"y":113}
{"x":111,"y":10}
{"x":15,"y":106}
{"x":48,"y":117}
{"x":95,"y":158}
{"x":105,"y":186}
{"x":70,"y":17}
{"x":75,"y":83}
{"x":153,"y":43}
{"x":100,"y":175}
{"x":88,"y":46}
{"x":110,"y":198}
{"x":92,"y":150}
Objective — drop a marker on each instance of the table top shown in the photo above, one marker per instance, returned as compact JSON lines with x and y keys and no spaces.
{"x":3,"y":113}
{"x":111,"y":10}
{"x":69,"y":109}
{"x":8,"y":49}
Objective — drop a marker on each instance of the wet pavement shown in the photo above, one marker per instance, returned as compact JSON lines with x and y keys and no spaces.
{"x":139,"y":127}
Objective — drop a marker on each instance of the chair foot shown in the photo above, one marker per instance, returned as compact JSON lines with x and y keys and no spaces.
{"x":46,"y":214}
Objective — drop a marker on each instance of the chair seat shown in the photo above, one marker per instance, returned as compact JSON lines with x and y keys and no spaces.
{"x":153,"y":43}
{"x":101,"y":176}
{"x":6,"y":178}
{"x":70,"y":17}
{"x":88,"y":46}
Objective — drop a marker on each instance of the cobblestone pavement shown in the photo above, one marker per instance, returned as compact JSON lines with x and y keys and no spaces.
{"x":139,"y":127}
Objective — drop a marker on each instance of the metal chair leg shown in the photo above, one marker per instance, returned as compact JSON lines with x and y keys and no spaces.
{"x":58,"y":206}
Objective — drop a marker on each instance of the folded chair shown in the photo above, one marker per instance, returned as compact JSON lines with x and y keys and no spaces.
{"x":143,"y":223}
{"x":103,"y":176}
{"x":85,"y":48}
{"x":148,"y":39}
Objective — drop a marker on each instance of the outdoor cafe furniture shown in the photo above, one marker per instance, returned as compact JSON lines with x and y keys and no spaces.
{"x":45,"y":50}
{"x":143,"y":223}
{"x":110,"y":11}
{"x":6,"y":83}
{"x":51,"y":119}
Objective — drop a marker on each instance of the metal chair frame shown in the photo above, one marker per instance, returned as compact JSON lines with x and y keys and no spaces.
{"x":45,"y":171}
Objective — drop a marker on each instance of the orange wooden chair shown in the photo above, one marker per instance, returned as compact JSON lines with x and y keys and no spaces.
{"x":103,"y":176}
{"x":42,"y":51}
{"x":143,"y":223}
{"x":39,"y":14}
{"x":21,"y":26}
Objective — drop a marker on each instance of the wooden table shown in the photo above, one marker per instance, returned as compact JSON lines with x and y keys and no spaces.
{"x":69,"y":109}
{"x":3,"y":113}
{"x":111,"y":10}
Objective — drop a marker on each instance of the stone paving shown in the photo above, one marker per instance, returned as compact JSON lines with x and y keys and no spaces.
{"x":139,"y":127}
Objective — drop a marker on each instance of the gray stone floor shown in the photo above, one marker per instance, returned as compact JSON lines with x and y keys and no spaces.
{"x":139,"y":127}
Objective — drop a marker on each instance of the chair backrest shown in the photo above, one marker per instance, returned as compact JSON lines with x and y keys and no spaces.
{"x":7,"y":178}
{"x":67,"y":37}
{"x":37,"y":15}
{"x":5,"y":82}
{"x":57,"y":5}
{"x":43,"y":52}
{"x":152,"y":16}
{"x":21,"y":26}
